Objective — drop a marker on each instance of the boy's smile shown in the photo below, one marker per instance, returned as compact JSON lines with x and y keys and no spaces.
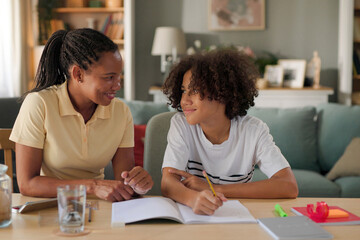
{"x":197,"y":110}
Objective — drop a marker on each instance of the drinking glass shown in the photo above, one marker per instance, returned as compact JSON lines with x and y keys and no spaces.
{"x":5,"y":197}
{"x":71,"y":207}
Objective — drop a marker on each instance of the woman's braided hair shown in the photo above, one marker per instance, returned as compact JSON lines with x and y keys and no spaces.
{"x":82,"y":47}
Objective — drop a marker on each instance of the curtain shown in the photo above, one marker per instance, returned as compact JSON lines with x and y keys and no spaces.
{"x":13,"y":48}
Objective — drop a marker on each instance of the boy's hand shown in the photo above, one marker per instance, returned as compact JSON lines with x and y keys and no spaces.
{"x":205,"y":203}
{"x":191,"y":181}
{"x":138,"y":179}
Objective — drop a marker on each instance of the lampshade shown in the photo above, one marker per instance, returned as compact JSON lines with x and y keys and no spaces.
{"x":167,"y":39}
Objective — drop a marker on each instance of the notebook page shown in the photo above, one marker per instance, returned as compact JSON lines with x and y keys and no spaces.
{"x":232,"y":211}
{"x":143,"y":209}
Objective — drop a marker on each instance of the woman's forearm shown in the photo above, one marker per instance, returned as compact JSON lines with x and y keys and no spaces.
{"x":41,"y":186}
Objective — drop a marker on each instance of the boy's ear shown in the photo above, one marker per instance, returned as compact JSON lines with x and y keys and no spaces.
{"x":77,"y":73}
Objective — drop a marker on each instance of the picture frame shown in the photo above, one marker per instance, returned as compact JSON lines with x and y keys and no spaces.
{"x":293,"y":72}
{"x":236,"y":15}
{"x":274,"y":75}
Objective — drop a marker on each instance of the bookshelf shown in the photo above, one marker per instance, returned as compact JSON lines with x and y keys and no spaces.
{"x":88,"y":10}
{"x":356,"y":56}
{"x":79,"y":17}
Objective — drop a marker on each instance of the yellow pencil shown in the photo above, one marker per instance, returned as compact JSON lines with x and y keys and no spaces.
{"x":208,"y":180}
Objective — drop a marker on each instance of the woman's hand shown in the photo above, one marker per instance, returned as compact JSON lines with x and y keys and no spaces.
{"x":139,"y":179}
{"x":190,"y":181}
{"x":205,"y":203}
{"x":112,"y":190}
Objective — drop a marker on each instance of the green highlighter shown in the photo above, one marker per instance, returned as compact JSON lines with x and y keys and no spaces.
{"x":280,"y":211}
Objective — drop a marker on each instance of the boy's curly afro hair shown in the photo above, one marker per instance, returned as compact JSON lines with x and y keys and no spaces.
{"x":226,"y":76}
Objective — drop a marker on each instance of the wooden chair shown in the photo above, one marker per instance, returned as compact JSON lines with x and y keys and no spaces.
{"x":7,"y":146}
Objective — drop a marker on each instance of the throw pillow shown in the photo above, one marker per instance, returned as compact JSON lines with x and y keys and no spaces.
{"x":294,"y":132}
{"x":139,"y":135}
{"x":349,"y":162}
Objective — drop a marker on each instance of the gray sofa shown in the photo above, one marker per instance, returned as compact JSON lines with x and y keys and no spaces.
{"x":311,"y":139}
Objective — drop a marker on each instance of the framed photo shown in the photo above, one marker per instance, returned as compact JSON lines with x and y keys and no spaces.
{"x":294,"y":72}
{"x":274,"y":74}
{"x":236,"y":15}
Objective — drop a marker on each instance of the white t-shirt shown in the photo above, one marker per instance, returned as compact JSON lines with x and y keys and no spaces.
{"x":232,"y":161}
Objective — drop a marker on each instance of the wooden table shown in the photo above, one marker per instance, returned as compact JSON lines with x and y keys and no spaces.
{"x":42,"y":225}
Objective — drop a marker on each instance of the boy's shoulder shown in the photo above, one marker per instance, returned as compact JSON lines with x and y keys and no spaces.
{"x":179,"y":118}
{"x":249,"y":121}
{"x":179,"y":121}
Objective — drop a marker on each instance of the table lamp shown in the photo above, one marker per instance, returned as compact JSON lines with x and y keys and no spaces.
{"x":168,"y":41}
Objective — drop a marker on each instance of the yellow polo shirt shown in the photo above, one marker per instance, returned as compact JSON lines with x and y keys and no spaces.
{"x":72,"y":149}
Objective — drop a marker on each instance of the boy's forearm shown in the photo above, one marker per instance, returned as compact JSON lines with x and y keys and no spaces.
{"x":270,"y":188}
{"x":174,"y":189}
{"x":281,"y":185}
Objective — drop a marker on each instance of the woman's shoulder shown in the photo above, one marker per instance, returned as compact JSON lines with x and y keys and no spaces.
{"x":119,"y":105}
{"x":44,"y":96}
{"x":118,"y":102}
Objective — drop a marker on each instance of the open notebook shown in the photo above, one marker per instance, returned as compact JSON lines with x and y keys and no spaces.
{"x":141,"y":209}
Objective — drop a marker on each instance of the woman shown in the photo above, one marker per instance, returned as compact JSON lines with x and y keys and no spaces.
{"x":70,"y":126}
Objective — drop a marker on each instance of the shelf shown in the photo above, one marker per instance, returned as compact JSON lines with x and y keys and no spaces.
{"x":88,"y":10}
{"x":304,"y":89}
{"x":356,"y":77}
{"x":356,"y":84}
{"x":355,"y":97}
{"x":357,"y":12}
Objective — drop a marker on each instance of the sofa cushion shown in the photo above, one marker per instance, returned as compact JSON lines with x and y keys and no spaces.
{"x":313,"y":184}
{"x":337,"y":125}
{"x":310,"y":183}
{"x":294,"y":132}
{"x":350,"y":186}
{"x":142,"y":111}
{"x":349,"y":163}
